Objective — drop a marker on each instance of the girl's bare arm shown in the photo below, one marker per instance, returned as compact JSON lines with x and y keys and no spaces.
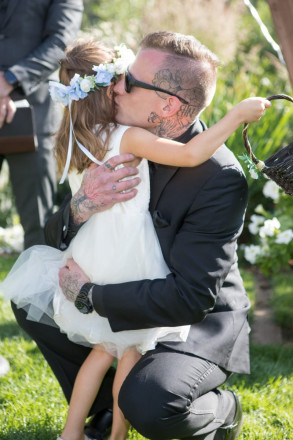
{"x":144,"y":144}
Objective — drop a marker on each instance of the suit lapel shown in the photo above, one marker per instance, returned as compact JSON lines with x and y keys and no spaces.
{"x":10,"y":8}
{"x":163,"y":173}
{"x":161,"y":176}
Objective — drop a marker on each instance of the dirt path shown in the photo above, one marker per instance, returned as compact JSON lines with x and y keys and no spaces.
{"x":264,"y":331}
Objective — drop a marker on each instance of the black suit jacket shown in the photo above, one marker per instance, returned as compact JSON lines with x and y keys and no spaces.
{"x":33,"y":36}
{"x":198,"y":214}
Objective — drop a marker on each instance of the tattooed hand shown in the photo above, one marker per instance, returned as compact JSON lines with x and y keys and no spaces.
{"x":102,"y":187}
{"x":71,"y":279}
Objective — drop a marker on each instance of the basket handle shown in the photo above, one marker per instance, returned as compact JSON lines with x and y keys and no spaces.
{"x":244,"y":132}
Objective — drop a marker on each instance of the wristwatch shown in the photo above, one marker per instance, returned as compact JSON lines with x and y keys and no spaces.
{"x":11,"y":79}
{"x":83,"y":300}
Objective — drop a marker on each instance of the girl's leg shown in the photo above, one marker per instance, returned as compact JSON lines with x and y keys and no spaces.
{"x":85,"y":389}
{"x":120,"y":425}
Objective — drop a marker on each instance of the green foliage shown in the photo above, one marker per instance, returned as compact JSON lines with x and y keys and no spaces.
{"x":266,"y":394}
{"x":274,"y":131}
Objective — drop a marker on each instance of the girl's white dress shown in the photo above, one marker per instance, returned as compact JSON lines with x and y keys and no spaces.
{"x":114,"y":246}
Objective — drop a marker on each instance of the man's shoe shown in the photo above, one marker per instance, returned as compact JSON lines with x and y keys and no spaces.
{"x":99,"y":425}
{"x":231,"y":432}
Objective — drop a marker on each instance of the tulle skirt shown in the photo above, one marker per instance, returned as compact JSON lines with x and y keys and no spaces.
{"x":33,"y":284}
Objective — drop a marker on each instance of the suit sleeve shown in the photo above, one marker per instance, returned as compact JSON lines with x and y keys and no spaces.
{"x":202,"y":254}
{"x":57,"y":226}
{"x":62,"y":23}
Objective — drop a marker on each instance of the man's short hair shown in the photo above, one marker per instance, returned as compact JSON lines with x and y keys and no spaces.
{"x":189,"y":62}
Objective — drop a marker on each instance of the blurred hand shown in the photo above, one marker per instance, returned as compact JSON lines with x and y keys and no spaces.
{"x":102,"y":187}
{"x":5,"y":87}
{"x":7,"y":110}
{"x":71,"y":279}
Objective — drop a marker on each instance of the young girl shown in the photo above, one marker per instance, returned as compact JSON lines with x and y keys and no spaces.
{"x":116,"y":245}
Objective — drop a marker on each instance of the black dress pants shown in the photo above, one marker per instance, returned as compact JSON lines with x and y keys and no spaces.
{"x":33,"y":179}
{"x":172,"y":395}
{"x":167,"y":395}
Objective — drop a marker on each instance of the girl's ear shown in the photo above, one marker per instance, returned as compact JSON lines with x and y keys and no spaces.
{"x":170,"y":106}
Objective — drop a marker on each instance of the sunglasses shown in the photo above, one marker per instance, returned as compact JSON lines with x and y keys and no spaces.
{"x":132,"y":82}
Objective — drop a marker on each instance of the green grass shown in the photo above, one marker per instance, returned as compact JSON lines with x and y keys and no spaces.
{"x":32,"y":405}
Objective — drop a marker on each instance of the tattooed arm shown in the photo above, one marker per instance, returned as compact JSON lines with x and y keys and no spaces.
{"x":101,"y":188}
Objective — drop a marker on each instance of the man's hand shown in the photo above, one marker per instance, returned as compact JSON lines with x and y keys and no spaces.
{"x":102,"y":187}
{"x":5,"y":87}
{"x":7,"y":110}
{"x":71,"y":279}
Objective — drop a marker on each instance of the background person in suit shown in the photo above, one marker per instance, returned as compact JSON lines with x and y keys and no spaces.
{"x":172,"y":392}
{"x":33,"y":35}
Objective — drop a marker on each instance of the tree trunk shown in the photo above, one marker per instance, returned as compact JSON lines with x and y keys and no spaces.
{"x":282,"y":14}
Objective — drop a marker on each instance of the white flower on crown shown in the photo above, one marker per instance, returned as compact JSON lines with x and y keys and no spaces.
{"x":126,"y":57}
{"x":80,"y":87}
{"x":87,"y":83}
{"x":119,"y":65}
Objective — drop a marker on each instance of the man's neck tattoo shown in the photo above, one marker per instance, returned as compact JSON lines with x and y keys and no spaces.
{"x":173,"y":127}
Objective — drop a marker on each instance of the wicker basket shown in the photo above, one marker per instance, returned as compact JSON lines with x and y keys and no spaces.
{"x":278,"y":167}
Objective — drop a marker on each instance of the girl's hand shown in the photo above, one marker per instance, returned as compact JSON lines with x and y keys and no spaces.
{"x":252,"y":109}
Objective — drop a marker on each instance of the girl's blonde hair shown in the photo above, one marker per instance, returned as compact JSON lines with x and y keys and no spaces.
{"x":97,"y":109}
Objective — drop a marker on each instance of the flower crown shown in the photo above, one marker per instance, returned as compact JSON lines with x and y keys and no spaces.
{"x":80,"y":87}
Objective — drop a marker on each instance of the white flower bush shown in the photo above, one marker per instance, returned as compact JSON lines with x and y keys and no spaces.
{"x":274,"y":239}
{"x":269,"y":228}
{"x":11,"y":239}
{"x":284,"y":237}
{"x":252,"y":252}
{"x":271,"y":190}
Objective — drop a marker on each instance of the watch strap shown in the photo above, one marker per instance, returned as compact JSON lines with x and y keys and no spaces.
{"x":83,"y":302}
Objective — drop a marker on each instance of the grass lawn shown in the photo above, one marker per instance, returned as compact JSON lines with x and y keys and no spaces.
{"x":32,"y":405}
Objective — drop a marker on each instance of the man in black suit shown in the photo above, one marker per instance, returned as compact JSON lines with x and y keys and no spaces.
{"x":198,"y":213}
{"x":33,"y":35}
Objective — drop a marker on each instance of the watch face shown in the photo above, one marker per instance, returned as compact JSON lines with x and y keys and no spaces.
{"x":82,"y":302}
{"x":82,"y":306}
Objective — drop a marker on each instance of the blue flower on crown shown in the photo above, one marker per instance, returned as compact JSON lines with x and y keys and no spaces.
{"x":102,"y":77}
{"x":75,"y":92}
{"x":80,"y":86}
{"x":59,"y":92}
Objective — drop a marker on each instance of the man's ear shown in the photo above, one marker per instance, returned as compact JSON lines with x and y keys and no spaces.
{"x":170,"y":106}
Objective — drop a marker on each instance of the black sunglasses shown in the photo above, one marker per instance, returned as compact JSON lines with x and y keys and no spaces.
{"x":132,"y":82}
